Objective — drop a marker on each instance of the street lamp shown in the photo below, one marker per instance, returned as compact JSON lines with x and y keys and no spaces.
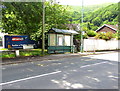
{"x":81,"y":46}
{"x":43,"y":27}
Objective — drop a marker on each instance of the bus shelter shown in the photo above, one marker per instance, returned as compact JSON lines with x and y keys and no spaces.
{"x":60,"y":41}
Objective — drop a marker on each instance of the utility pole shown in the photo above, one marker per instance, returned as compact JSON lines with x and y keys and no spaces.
{"x":81,"y":46}
{"x":43,"y":27}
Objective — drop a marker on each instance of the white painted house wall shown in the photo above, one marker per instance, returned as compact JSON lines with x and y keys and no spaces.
{"x":99,"y":44}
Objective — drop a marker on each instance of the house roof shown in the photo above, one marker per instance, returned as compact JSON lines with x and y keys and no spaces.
{"x":63,"y":31}
{"x":113,"y":27}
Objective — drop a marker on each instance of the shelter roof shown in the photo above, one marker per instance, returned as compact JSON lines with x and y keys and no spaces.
{"x":62,"y":31}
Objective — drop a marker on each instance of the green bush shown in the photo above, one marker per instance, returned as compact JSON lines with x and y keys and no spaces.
{"x":105,"y":36}
{"x":91,"y":33}
{"x":117,"y":35}
{"x":8,"y":55}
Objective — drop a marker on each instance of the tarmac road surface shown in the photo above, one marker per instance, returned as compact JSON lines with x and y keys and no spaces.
{"x":87,"y":72}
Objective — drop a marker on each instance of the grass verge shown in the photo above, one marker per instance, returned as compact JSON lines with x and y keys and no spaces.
{"x":28,"y":52}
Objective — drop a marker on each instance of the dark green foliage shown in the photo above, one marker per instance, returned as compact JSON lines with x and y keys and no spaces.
{"x":99,"y":15}
{"x":22,"y":17}
{"x":26,"y":17}
{"x":107,"y":15}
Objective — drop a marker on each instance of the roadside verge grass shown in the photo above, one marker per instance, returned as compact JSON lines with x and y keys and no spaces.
{"x":26,"y":52}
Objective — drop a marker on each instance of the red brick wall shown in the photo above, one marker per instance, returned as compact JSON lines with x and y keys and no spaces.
{"x":106,"y":29}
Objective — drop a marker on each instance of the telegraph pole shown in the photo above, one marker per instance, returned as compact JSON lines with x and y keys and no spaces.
{"x":43,"y":27}
{"x":81,"y":46}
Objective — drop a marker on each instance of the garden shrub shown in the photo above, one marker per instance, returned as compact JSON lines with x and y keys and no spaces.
{"x":105,"y":36}
{"x":91,"y":33}
{"x":117,"y":35}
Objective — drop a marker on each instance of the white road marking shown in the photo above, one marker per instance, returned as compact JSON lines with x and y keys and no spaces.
{"x":93,"y":64}
{"x":28,"y":78}
{"x":113,"y":77}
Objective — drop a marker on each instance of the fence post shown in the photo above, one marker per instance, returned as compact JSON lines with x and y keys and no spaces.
{"x":17,"y":53}
{"x":73,"y":49}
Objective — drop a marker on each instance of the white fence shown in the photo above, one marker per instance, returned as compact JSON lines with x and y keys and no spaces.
{"x":99,"y":44}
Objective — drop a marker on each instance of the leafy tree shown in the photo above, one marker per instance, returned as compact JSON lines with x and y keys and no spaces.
{"x":88,"y":26}
{"x":97,"y":21}
{"x":22,"y":17}
{"x":103,"y":15}
{"x":26,"y":17}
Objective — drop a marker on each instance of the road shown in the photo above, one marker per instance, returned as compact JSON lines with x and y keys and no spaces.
{"x":86,"y":72}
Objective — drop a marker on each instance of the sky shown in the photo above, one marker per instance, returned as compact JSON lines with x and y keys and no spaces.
{"x":85,"y":2}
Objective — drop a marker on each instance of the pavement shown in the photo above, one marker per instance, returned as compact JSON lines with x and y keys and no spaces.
{"x":6,"y":61}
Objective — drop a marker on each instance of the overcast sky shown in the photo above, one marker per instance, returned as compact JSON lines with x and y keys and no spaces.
{"x":86,"y":2}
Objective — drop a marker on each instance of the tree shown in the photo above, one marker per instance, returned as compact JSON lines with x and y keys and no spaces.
{"x":22,"y":17}
{"x":97,"y":21}
{"x":26,"y":17}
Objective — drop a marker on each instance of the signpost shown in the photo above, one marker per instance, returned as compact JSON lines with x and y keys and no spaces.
{"x":81,"y":47}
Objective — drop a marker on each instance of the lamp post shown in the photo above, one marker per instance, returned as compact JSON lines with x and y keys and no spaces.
{"x":43,"y":27}
{"x":81,"y":46}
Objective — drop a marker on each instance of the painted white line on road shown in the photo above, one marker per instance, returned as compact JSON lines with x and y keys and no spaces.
{"x":28,"y":78}
{"x":93,"y":64}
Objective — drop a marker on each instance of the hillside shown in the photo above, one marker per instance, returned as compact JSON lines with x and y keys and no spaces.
{"x":95,"y":16}
{"x":107,"y":15}
{"x":90,"y":8}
